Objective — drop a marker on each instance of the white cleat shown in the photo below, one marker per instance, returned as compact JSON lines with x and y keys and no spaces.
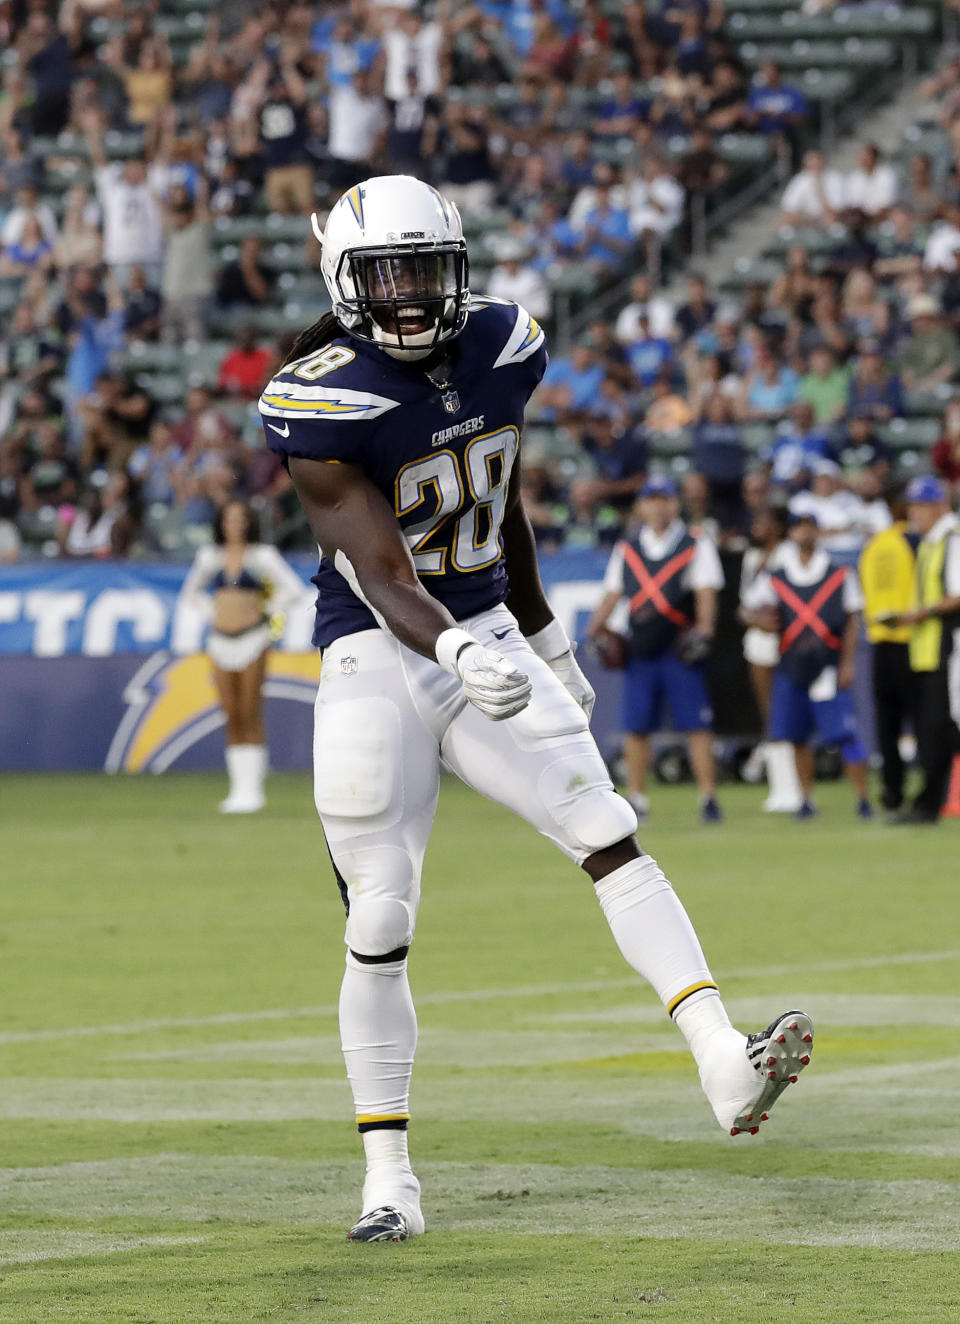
{"x":778,"y":1054}
{"x":242,"y":804}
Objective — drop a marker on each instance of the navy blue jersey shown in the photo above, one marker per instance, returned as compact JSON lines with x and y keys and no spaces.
{"x":441,"y":456}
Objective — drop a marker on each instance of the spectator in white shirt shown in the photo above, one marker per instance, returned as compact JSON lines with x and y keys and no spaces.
{"x":17,"y":217}
{"x":357,"y":120}
{"x":943,"y":244}
{"x":872,"y":187}
{"x":655,"y":201}
{"x":412,"y":46}
{"x":845,"y":520}
{"x":513,"y":279}
{"x":814,"y":196}
{"x":132,"y":218}
{"x":644,"y":303}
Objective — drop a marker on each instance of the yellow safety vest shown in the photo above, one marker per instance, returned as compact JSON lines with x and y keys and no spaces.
{"x":926,"y":637}
{"x":887,"y":570}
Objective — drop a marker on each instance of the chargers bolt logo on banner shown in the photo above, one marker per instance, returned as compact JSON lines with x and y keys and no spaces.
{"x":172,"y":704}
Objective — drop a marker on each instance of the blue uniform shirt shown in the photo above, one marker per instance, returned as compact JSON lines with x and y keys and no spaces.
{"x":442,"y":459}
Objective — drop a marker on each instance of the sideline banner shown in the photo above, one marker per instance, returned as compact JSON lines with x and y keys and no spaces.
{"x":120,"y":607}
{"x":100,"y":667}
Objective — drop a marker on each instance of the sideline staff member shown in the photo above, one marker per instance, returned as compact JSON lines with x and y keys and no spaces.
{"x":934,"y":642}
{"x":887,"y":571}
{"x":670,"y":578}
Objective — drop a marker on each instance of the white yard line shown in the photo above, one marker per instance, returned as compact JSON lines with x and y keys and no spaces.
{"x":519,"y":992}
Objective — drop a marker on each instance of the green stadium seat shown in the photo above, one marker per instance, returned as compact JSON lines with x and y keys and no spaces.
{"x":792,"y":25}
{"x":166,"y":387}
{"x":817,"y":240}
{"x":930,"y":404}
{"x":907,"y":433}
{"x":852,"y":53}
{"x":758,"y":436}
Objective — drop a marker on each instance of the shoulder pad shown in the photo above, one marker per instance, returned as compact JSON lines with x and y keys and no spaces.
{"x":524,"y":333}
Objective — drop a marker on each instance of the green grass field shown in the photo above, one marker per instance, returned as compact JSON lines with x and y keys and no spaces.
{"x":176,"y":1133}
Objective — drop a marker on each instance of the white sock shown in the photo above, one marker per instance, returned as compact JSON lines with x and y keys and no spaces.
{"x":654,"y":933}
{"x":234,"y":760}
{"x":786,"y":793}
{"x":378,"y":1035}
{"x":258,"y":769}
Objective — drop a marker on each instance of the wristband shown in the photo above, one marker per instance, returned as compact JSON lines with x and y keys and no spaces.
{"x":551,"y":642}
{"x":448,"y":648}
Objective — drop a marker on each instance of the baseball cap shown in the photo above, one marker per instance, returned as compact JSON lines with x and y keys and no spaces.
{"x":926,"y":489}
{"x":658,"y":487}
{"x":923,"y":305}
{"x":801,"y":516}
{"x":825,"y":466}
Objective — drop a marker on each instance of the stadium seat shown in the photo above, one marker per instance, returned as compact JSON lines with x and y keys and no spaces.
{"x":905,"y":433}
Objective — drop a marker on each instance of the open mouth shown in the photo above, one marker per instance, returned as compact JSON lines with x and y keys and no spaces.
{"x":411,"y":320}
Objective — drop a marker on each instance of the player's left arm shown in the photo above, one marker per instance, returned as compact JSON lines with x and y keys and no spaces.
{"x":528,"y":601}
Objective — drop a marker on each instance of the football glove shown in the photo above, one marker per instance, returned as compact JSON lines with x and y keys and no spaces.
{"x":490,"y":682}
{"x":551,"y":644}
{"x":693,"y":647}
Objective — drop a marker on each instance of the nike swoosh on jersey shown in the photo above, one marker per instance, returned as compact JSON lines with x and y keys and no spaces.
{"x":284,"y":431}
{"x":501,"y":634}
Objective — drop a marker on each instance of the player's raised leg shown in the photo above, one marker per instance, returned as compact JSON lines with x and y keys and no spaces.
{"x":544,"y":764}
{"x":376,"y":771}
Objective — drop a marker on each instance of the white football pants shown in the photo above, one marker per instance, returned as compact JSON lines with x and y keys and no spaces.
{"x":385,"y":718}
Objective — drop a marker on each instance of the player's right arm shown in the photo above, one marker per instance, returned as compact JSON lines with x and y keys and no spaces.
{"x":358,"y":531}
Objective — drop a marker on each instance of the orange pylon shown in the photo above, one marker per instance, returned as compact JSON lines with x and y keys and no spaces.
{"x":952,"y":807}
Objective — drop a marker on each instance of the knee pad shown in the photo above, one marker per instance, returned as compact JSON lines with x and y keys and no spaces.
{"x":378,"y":926}
{"x":383,"y":892}
{"x":581,"y":798}
{"x":356,"y":758}
{"x":601,"y":818}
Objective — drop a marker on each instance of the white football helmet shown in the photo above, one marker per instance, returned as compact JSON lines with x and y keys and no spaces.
{"x":395,"y":263}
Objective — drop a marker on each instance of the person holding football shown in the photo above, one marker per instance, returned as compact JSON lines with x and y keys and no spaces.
{"x":399,"y":417}
{"x":670,"y":578}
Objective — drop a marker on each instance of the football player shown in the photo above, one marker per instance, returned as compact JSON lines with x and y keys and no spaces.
{"x":399,"y":417}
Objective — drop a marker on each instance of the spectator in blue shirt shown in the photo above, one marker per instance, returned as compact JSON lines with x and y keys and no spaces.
{"x":771,"y":387}
{"x":619,"y":459}
{"x":796,"y":449}
{"x":775,"y":107}
{"x":875,"y":393}
{"x":648,"y":353}
{"x":571,"y":384}
{"x":577,"y":167}
{"x":719,"y":455}
{"x":607,"y":232}
{"x":618,"y":115}
{"x":556,"y":241}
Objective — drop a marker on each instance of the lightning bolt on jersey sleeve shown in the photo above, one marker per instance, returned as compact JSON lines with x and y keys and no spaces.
{"x":440,"y":448}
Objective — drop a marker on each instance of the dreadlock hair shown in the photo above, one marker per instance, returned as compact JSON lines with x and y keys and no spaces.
{"x":322,"y":332}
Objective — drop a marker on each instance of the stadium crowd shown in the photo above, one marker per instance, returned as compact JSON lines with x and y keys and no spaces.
{"x":585,"y":129}
{"x":170,"y":135}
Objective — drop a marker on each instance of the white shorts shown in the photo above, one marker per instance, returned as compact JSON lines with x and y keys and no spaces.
{"x":761,"y":648}
{"x":385,"y":718}
{"x":236,"y":652}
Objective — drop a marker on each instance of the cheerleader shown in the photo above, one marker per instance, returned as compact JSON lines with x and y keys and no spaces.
{"x":761,"y":649}
{"x":242,"y":582}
